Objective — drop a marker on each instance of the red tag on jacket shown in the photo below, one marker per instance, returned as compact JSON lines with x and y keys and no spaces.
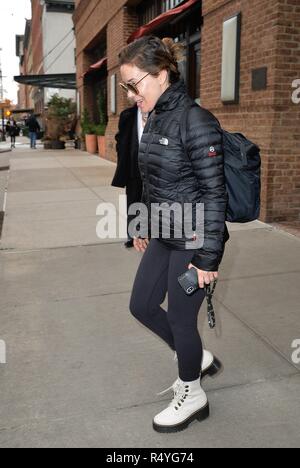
{"x":212,"y":152}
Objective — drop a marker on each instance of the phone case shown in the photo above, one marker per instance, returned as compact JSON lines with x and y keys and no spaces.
{"x":189,"y":281}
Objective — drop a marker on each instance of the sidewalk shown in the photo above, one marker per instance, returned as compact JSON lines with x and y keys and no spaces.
{"x":81,"y":372}
{"x":4,"y":147}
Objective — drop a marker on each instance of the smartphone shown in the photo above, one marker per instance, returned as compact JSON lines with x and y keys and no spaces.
{"x":189,"y":281}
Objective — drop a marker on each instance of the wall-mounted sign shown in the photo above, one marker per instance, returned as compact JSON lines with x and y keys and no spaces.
{"x":231,"y":60}
{"x":259,"y":79}
{"x":113,"y":94}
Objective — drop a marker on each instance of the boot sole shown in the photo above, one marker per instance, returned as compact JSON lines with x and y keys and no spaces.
{"x":213,"y":370}
{"x":200,"y":416}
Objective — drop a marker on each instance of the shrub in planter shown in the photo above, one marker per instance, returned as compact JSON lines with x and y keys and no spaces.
{"x":59,"y":117}
{"x":91,"y":140}
{"x":89,"y":133}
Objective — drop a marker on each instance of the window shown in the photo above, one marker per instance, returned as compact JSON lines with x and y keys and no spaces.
{"x":151,"y":9}
{"x":185,"y":29}
{"x":195,"y":70}
{"x":169,"y":4}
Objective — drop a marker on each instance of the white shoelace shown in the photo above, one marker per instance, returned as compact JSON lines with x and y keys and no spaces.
{"x":174,"y":387}
{"x":180,"y":395}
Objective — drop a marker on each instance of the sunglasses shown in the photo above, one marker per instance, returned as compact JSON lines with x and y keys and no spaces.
{"x":132,"y":87}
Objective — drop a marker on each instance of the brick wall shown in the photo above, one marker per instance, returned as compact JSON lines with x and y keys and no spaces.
{"x":37,"y":36}
{"x":22,"y":93}
{"x":118,"y":31}
{"x":93,"y":19}
{"x":270,"y":37}
{"x":284,"y":163}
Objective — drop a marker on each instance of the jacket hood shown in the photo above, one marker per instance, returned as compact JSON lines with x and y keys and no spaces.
{"x":169,"y":99}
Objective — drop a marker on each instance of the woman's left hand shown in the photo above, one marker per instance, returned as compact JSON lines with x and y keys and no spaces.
{"x":205,"y":277}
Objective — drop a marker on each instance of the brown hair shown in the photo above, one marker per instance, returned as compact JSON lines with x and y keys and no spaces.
{"x":153,"y":55}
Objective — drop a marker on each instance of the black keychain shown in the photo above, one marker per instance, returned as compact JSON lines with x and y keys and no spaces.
{"x":209,"y":291}
{"x":190,"y":284}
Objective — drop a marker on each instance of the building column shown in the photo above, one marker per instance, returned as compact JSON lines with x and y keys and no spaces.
{"x":119,"y":29}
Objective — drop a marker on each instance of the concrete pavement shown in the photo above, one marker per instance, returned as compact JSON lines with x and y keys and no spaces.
{"x":81,"y":372}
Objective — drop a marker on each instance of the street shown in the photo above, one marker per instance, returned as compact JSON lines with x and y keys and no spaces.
{"x":82,"y":372}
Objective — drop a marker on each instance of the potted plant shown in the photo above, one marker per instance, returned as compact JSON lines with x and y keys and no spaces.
{"x":101,"y":128}
{"x":91,"y":139}
{"x":89,"y":133}
{"x":59,"y":117}
{"x":100,"y":132}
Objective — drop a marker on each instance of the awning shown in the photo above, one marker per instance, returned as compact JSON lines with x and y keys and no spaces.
{"x":96,"y":66}
{"x":60,"y":81}
{"x":22,"y":111}
{"x":161,"y":19}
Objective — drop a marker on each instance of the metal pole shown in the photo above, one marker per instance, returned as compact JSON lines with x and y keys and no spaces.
{"x":3,"y":127}
{"x":2,"y":99}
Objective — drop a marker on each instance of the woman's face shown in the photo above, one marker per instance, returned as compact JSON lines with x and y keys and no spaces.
{"x":150,"y":88}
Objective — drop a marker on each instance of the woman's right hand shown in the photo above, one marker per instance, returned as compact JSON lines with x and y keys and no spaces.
{"x":140,"y":245}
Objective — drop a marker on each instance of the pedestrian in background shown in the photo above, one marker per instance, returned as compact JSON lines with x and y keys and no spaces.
{"x":7,"y":128}
{"x":34,"y":128}
{"x":131,"y":126}
{"x":13,"y":132}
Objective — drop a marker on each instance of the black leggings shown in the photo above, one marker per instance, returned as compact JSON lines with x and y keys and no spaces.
{"x":178,"y":327}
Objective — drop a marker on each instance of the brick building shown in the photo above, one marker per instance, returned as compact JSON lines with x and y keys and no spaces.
{"x":242,"y":63}
{"x":35,"y":51}
{"x":47,"y":49}
{"x":24,"y":52}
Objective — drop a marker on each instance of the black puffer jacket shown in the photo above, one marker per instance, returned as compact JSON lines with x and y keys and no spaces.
{"x":195,"y":174}
{"x":127,"y":149}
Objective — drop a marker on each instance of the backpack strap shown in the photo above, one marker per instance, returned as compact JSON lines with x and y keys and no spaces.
{"x":183,"y":124}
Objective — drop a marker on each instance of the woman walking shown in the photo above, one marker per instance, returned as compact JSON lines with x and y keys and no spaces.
{"x":176,"y":173}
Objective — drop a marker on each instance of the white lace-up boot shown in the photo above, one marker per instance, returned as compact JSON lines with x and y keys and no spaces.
{"x":189,"y":404}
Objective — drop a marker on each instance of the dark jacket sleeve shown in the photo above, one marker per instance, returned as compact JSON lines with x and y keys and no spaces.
{"x":204,"y":136}
{"x":118,"y":135}
{"x":121,"y":174}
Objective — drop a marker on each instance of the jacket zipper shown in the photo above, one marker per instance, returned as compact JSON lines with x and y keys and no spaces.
{"x":147,"y":155}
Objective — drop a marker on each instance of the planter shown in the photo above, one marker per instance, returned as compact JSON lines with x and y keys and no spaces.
{"x":82,"y":145}
{"x":91,"y":144}
{"x":47,"y":145}
{"x":101,"y":146}
{"x":58,"y":145}
{"x":54,"y":145}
